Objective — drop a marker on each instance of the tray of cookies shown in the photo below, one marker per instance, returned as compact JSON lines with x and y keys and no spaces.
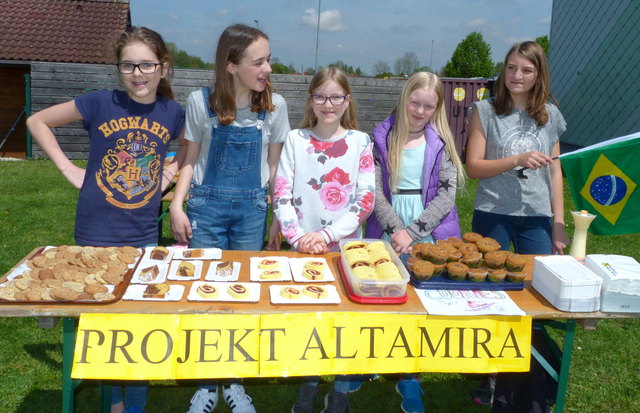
{"x":473,"y":262}
{"x":304,"y":294}
{"x":372,"y":272}
{"x":71,"y":274}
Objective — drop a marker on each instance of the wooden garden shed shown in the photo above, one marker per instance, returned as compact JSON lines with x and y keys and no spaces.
{"x":32,"y":31}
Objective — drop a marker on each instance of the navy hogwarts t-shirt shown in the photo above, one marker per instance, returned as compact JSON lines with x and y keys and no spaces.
{"x":120,"y":196}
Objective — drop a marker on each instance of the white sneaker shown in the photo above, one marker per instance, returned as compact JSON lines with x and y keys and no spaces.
{"x":204,"y":401}
{"x":237,"y":399}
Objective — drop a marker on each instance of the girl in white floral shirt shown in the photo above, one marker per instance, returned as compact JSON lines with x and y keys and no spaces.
{"x":324,"y":187}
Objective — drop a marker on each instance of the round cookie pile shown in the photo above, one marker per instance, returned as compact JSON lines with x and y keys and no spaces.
{"x":71,"y":273}
{"x":474,"y":258}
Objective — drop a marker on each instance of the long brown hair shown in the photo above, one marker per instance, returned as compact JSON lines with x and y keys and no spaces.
{"x":154,"y":41}
{"x":439,"y":123}
{"x":349,"y":119}
{"x":539,"y":94}
{"x":232,"y":44}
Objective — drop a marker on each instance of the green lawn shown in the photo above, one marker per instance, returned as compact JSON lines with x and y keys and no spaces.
{"x":37,"y":207}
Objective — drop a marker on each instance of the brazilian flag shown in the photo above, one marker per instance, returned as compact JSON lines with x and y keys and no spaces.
{"x":604,"y":181}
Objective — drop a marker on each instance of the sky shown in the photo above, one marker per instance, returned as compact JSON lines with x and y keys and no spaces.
{"x":357,"y":32}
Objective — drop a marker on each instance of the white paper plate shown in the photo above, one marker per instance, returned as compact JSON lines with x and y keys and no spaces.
{"x":222,"y":287}
{"x":297,"y":266}
{"x":147,"y":255}
{"x":207,"y":254}
{"x":173,"y":271}
{"x":283,"y":267}
{"x":163,"y":268}
{"x":331,"y":298}
{"x":135,"y":292}
{"x":212,"y":274}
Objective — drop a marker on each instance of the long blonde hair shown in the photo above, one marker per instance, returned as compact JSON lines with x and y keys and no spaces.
{"x":349,"y":119}
{"x":439,"y":123}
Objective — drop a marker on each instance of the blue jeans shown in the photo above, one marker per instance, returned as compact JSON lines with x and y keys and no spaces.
{"x":136,"y":392}
{"x":529,"y":235}
{"x":227,"y":219}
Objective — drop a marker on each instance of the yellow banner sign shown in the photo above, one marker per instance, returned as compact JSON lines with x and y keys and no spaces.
{"x":198,"y":346}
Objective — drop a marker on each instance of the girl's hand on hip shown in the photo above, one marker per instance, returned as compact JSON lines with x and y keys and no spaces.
{"x":533,"y":160}
{"x":75,"y":175}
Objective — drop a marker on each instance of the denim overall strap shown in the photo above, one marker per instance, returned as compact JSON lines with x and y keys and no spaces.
{"x":234,"y":160}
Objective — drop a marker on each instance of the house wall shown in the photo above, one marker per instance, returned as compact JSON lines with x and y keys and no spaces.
{"x":54,"y":83}
{"x":593,"y":61}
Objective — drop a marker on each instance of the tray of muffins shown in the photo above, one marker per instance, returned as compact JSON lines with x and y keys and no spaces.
{"x":372,"y":272}
{"x":70,"y":274}
{"x":471,"y":263}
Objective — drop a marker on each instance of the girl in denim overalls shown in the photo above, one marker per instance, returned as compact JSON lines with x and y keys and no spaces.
{"x":235,"y":134}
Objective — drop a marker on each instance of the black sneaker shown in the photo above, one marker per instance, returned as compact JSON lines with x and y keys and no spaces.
{"x":306,"y":400}
{"x":483,"y":393}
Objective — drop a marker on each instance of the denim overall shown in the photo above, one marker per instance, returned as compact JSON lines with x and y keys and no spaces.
{"x":229,"y":209}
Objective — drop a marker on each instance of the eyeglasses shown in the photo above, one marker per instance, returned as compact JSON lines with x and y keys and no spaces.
{"x":146,"y":68}
{"x":336,"y":100}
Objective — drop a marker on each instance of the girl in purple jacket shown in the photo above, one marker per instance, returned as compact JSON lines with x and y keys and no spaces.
{"x":417,"y":169}
{"x":417,"y":172}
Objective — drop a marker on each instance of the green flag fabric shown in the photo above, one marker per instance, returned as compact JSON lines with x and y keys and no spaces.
{"x":604,"y":181}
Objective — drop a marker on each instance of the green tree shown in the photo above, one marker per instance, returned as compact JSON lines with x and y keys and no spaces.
{"x":472,"y":58}
{"x":544,"y":42}
{"x":184,"y":60}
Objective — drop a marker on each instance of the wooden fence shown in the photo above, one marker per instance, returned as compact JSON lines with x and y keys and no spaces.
{"x":53,"y":83}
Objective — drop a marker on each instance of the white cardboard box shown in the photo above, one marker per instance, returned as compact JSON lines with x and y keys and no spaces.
{"x":621,"y":282}
{"x":566,"y":283}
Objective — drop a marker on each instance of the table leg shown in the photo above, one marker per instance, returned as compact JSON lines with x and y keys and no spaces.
{"x":567,"y":352}
{"x":68,"y":342}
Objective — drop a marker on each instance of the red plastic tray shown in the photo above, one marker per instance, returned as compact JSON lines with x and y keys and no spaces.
{"x":368,"y":300}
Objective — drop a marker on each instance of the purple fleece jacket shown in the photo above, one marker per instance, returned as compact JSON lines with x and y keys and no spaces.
{"x":449,"y":225}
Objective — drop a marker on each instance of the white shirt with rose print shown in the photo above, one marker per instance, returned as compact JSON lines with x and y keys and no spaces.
{"x":324,"y":186}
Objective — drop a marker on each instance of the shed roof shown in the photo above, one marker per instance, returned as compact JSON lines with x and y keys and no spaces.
{"x":60,"y":30}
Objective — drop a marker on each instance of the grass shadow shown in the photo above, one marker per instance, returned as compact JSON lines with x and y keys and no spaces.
{"x":46,"y":353}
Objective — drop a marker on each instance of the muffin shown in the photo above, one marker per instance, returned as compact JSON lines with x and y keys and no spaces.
{"x":471,"y":259}
{"x":439,"y":269}
{"x":515,"y":262}
{"x":453,"y":255}
{"x":495,"y":259}
{"x":477,"y":274}
{"x":457,"y":271}
{"x":456,"y":242}
{"x":468,"y":246}
{"x":496,"y":275}
{"x":411,"y":262}
{"x":436,"y":255}
{"x":515,"y":276}
{"x":443,"y":243}
{"x":423,"y":270}
{"x":487,"y":245}
{"x":423,"y":249}
{"x":471,"y":237}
